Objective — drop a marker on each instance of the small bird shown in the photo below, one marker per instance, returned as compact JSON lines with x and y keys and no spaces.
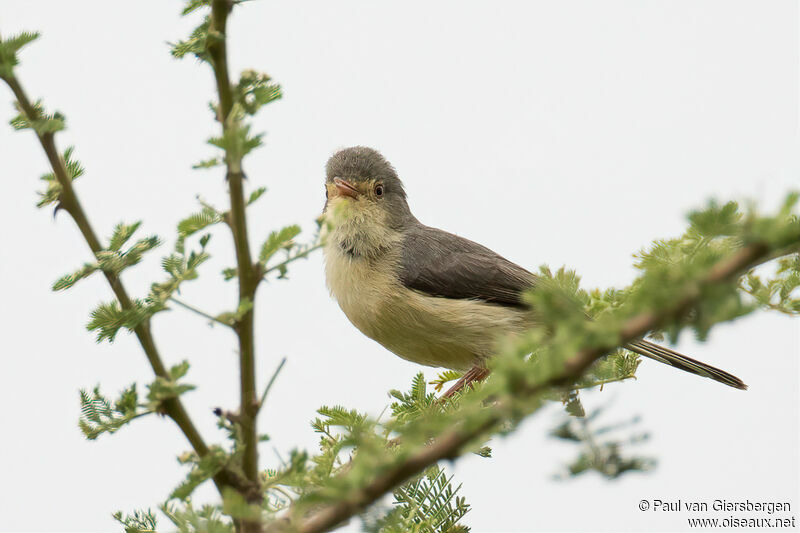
{"x":429,"y":296}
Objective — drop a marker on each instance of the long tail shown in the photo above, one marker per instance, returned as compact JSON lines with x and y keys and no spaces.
{"x":673,"y":358}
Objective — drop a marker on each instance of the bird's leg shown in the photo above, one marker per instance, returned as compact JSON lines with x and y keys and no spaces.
{"x":476,"y":373}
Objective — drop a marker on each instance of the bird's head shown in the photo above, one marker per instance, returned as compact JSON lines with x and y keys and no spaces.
{"x":363,"y":192}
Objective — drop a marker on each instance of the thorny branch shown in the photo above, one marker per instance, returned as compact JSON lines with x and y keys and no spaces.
{"x":456,"y":441}
{"x":68,"y":201}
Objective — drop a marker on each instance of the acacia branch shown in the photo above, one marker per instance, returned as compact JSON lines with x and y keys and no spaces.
{"x":456,"y":441}
{"x":197,"y":311}
{"x":69,"y":202}
{"x":291,"y":259}
{"x":248,"y":276}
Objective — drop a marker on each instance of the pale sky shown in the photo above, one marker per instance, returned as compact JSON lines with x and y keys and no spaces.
{"x":567,"y":133}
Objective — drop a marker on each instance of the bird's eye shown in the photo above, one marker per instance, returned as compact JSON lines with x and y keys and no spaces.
{"x":379,"y":190}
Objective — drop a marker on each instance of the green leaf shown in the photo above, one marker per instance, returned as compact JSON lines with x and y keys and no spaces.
{"x":109,"y":318}
{"x":116,"y":261}
{"x":198,"y":221}
{"x":209,"y":163}
{"x":256,"y":194}
{"x":195,"y":44}
{"x":715,"y":220}
{"x":254,"y":91}
{"x":235,"y":506}
{"x":53,"y":192}
{"x":138,"y":522}
{"x":162,"y":389}
{"x":167,"y":388}
{"x":41,"y":122}
{"x":67,"y":281}
{"x":122,"y":232}
{"x":9,"y":48}
{"x":445,"y":377}
{"x":202,"y":470}
{"x":99,"y":415}
{"x":277,"y":240}
{"x":232,"y":318}
{"x":193,"y":5}
{"x":187,"y":519}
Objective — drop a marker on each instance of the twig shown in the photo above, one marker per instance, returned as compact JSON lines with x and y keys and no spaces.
{"x":452,"y":443}
{"x":271,"y":381}
{"x":198,"y":311}
{"x":291,"y":259}
{"x":68,"y":200}
{"x":248,"y":278}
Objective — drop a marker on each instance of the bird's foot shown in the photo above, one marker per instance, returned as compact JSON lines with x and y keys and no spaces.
{"x":474,"y":374}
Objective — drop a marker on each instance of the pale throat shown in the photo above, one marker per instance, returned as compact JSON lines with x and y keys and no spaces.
{"x":360,"y":231}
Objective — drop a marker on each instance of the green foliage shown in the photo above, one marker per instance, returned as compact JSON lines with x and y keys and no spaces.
{"x":281,"y":239}
{"x":99,"y":415}
{"x":68,"y":280}
{"x":236,"y":140}
{"x":293,"y":252}
{"x":194,"y":5}
{"x":256,"y":194}
{"x":180,"y":267}
{"x":779,"y":293}
{"x":350,"y":447}
{"x":122,"y":233}
{"x":53,"y":192}
{"x":108,"y":318}
{"x":113,"y":259}
{"x":619,"y":365}
{"x":232,"y":318}
{"x":41,"y":123}
{"x":138,"y":522}
{"x":195,"y":222}
{"x":414,"y":403}
{"x":166,"y":388}
{"x":428,"y":504}
{"x":209,"y":163}
{"x":201,"y":470}
{"x":572,"y":403}
{"x":196,"y":43}
{"x":254,"y":91}
{"x":235,"y":506}
{"x":445,"y":377}
{"x":600,"y":449}
{"x":8,"y":51}
{"x":207,"y":519}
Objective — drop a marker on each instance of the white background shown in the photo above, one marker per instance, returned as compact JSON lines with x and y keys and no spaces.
{"x":553,"y":132}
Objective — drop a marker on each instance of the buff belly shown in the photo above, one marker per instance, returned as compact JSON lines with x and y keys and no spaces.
{"x":427,"y":330}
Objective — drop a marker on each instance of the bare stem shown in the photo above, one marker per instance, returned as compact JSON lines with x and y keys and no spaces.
{"x":248,"y":277}
{"x":69,"y":202}
{"x":291,"y":259}
{"x":271,"y":381}
{"x":197,"y":311}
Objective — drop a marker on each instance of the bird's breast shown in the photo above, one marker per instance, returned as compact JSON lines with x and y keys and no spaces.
{"x":428,"y":330}
{"x":362,"y":286}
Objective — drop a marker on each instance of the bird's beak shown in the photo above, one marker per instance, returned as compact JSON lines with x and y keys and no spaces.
{"x":344,"y":188}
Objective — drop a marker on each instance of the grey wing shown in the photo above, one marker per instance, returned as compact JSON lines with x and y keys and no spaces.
{"x":446,"y":265}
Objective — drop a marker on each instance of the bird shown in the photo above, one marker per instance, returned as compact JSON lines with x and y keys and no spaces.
{"x":427,"y":295}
